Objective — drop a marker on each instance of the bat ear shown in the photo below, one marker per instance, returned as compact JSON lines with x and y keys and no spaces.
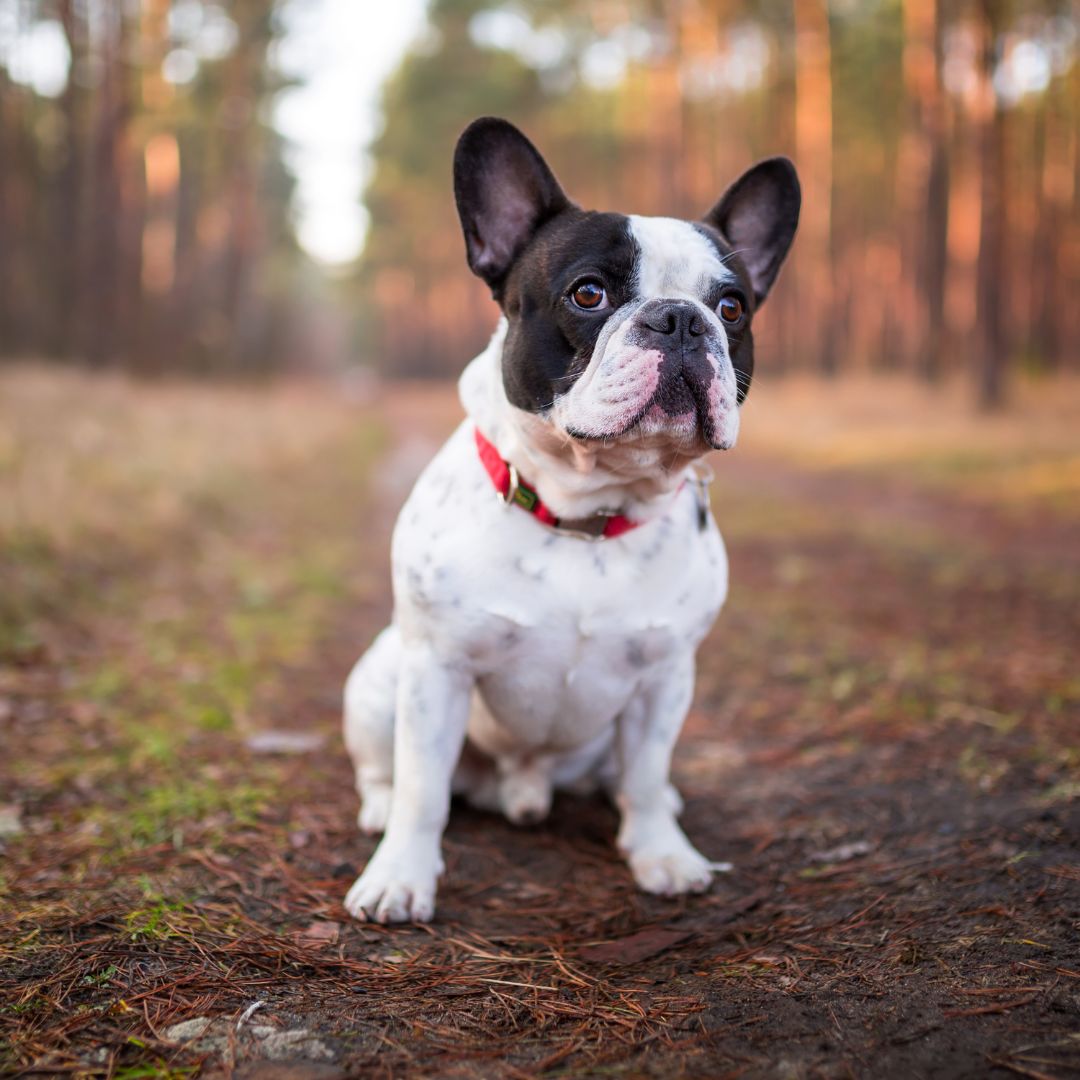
{"x":758,"y":216}
{"x":505,"y":192}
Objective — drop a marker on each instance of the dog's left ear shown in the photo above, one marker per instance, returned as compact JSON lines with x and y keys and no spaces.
{"x":758,"y":216}
{"x":505,"y":192}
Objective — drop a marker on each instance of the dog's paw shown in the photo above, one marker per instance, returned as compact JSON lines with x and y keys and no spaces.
{"x":374,"y":808}
{"x":525,"y":797}
{"x":670,"y":873}
{"x":395,"y":887}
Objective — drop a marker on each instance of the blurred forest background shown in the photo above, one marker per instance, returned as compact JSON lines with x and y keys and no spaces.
{"x":225,"y":228}
{"x":147,"y":210}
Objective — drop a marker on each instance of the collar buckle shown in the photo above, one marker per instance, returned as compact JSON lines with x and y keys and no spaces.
{"x":507,"y":497}
{"x":516,"y":492}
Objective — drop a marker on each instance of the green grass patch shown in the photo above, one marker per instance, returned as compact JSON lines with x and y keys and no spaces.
{"x":101,"y":978}
{"x":178,"y":806}
{"x":156,"y":923}
{"x":157,"y":1070}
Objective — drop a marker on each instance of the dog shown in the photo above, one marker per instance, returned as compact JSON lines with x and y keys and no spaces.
{"x":557,"y":565}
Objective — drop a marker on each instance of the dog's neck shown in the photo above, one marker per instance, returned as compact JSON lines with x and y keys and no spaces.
{"x":575,"y":478}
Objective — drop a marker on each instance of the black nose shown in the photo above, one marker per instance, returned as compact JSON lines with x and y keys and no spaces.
{"x":672,"y":320}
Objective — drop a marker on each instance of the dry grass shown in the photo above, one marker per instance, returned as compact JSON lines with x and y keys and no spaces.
{"x":96,"y":453}
{"x":84,"y":453}
{"x":1028,"y":453}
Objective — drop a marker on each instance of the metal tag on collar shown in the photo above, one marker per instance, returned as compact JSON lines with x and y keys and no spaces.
{"x":703,"y":477}
{"x":590,"y":528}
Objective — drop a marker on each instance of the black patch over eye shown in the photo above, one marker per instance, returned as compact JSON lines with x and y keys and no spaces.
{"x":589,"y":295}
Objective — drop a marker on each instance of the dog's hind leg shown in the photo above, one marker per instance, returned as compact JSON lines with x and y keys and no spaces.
{"x":370,"y":693}
{"x":516,"y":785}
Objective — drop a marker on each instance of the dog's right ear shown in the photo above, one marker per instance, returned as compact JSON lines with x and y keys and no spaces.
{"x":505,"y":192}
{"x":758,"y":215}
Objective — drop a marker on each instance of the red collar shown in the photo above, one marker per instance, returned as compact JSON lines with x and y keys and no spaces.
{"x":512,"y":489}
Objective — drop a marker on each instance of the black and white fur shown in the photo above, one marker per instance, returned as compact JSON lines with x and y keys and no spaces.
{"x":521,"y":659}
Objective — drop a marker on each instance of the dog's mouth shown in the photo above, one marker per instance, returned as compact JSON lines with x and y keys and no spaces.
{"x":680,"y":421}
{"x":687,"y":407}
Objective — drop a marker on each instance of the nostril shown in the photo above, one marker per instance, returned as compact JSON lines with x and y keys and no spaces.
{"x":663,"y":322}
{"x":697,"y":325}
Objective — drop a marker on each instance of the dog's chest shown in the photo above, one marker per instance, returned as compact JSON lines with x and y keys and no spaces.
{"x":562,"y":658}
{"x":559,"y":633}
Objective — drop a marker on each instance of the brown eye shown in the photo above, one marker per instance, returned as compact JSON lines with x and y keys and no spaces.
{"x":731,"y":309}
{"x":589,"y":295}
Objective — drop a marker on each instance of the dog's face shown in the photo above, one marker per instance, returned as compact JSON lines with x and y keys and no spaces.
{"x":621,"y":327}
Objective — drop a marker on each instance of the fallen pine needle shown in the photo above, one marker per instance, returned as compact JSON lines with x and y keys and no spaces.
{"x":527,"y":986}
{"x":1002,"y":1063}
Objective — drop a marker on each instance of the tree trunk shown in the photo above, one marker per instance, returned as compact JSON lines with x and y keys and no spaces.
{"x":102,"y":299}
{"x":7,"y":232}
{"x":67,"y":240}
{"x":813,"y":140}
{"x":241,"y":194}
{"x":1054,"y":195}
{"x":925,"y":28}
{"x":991,"y":265}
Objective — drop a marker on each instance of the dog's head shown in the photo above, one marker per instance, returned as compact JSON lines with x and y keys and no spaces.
{"x":621,"y":326}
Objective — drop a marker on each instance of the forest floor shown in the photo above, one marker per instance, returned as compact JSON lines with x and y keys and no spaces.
{"x":885,"y":743}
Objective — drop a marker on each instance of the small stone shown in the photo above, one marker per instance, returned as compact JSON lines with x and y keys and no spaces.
{"x":187,"y":1030}
{"x":300,"y":1043}
{"x":843,"y":853}
{"x":285,"y":742}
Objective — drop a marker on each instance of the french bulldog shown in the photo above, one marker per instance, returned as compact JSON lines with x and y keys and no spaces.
{"x":556,"y":565}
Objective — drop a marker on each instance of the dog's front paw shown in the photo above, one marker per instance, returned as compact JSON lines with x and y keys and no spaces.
{"x":669,"y":873}
{"x":396,"y":886}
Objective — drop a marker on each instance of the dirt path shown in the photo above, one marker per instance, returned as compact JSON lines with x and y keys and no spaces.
{"x":884,"y":743}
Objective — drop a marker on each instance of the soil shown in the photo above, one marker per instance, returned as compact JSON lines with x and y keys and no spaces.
{"x":885,"y":743}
